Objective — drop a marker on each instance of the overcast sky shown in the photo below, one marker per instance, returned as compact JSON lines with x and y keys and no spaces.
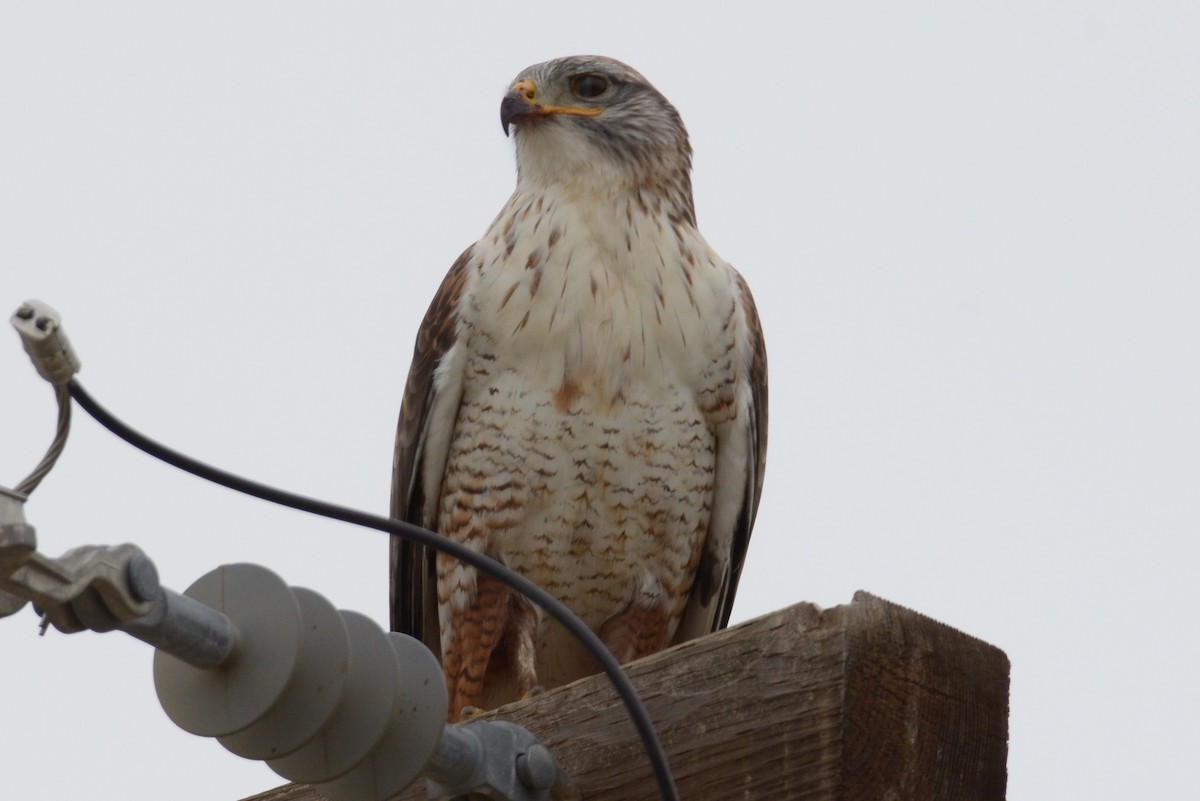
{"x":974,"y":237}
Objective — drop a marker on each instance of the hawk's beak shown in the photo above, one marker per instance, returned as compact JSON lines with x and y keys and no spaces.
{"x":521,"y":104}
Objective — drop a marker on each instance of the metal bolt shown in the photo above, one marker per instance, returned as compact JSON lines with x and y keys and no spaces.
{"x":536,"y":768}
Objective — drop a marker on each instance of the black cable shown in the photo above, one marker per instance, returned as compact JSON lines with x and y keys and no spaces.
{"x":624,"y":688}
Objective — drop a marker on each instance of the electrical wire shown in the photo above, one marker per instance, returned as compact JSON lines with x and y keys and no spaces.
{"x":552,"y":606}
{"x":30,"y":483}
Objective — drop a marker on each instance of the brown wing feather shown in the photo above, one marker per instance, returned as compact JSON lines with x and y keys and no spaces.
{"x":758,"y":460}
{"x":413,"y":584}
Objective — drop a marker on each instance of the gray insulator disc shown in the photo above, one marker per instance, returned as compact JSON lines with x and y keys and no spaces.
{"x":363,"y":714}
{"x":419,"y":717}
{"x":230,"y":697}
{"x":311,"y":698}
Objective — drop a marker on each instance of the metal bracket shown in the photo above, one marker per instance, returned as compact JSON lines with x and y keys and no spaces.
{"x":495,"y":759}
{"x":101,"y":588}
{"x":92,"y":587}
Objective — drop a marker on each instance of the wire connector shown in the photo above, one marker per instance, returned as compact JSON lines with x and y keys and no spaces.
{"x":41,"y":332}
{"x":42,"y":335}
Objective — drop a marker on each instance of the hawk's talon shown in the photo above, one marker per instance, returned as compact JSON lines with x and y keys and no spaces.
{"x":469,"y":713}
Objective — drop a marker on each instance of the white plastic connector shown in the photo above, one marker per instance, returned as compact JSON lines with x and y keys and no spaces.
{"x":41,"y":332}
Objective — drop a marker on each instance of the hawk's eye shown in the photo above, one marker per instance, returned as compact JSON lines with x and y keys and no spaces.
{"x":589,"y":85}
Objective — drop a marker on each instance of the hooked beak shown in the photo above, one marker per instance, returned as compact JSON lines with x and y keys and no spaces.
{"x":521,"y":104}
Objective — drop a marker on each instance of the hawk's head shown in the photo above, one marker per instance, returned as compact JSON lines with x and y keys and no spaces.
{"x":594,"y":121}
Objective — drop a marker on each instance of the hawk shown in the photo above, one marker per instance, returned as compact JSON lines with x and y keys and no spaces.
{"x":587,"y":401}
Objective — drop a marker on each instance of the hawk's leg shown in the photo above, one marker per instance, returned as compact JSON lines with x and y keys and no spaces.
{"x":521,"y":645}
{"x":475,"y":633}
{"x":642,"y":627}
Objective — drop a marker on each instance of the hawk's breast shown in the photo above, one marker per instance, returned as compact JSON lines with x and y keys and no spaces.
{"x":583,"y":454}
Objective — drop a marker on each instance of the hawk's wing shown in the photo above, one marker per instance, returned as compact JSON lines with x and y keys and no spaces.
{"x":725,"y":551}
{"x":427,"y":416}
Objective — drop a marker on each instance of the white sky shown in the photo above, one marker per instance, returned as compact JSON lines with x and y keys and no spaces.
{"x":974,"y":237}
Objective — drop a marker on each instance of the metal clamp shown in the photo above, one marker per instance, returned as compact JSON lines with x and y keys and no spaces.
{"x":101,"y":588}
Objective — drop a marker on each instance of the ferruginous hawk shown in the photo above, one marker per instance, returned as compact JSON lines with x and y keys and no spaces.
{"x":587,"y":401}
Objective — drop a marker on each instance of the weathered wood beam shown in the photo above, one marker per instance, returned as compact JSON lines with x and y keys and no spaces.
{"x":863,"y":701}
